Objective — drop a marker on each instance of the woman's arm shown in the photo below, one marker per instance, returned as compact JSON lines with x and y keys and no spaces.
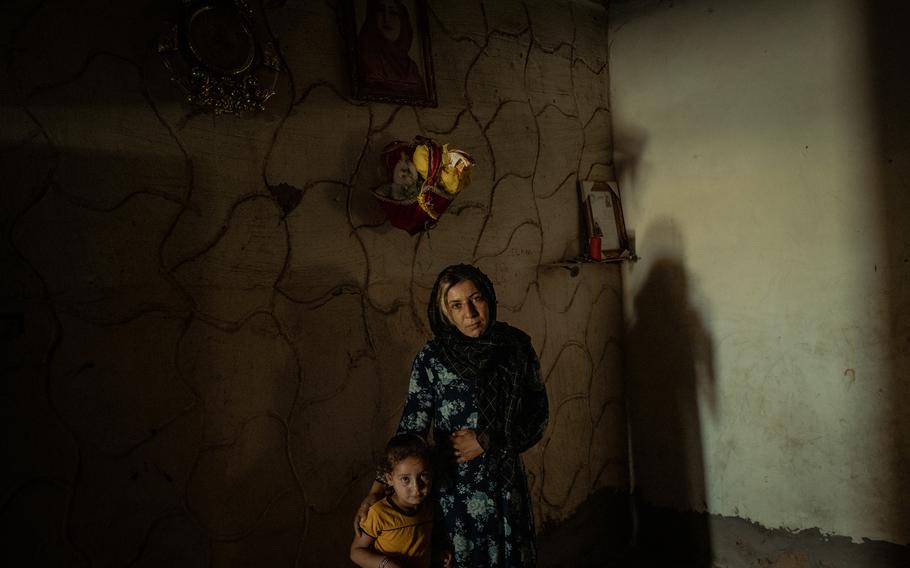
{"x":531,"y":414}
{"x":420,"y":404}
{"x":528,"y":423}
{"x":533,"y":410}
{"x":377,"y":490}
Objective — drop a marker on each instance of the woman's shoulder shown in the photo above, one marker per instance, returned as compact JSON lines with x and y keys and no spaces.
{"x":512,"y":334}
{"x":428,"y":354}
{"x":429,"y":349}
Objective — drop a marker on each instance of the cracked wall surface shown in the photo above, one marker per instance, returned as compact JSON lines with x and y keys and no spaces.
{"x":211,"y":323}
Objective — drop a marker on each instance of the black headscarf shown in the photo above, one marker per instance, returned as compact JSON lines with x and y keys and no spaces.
{"x":493,"y":362}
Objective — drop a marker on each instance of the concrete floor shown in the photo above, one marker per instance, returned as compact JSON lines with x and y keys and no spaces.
{"x":599,"y":534}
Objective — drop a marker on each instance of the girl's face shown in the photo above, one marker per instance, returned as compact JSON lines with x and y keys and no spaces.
{"x":388,"y":19}
{"x":411,"y":479}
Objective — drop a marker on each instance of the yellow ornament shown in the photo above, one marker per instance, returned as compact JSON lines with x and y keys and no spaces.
{"x":421,"y":159}
{"x":454,"y":173}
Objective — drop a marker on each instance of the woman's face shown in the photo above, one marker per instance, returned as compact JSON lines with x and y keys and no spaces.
{"x":468,"y":309}
{"x":388,"y":19}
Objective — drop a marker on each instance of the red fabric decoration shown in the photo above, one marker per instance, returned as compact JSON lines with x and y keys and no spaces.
{"x":420,"y":211}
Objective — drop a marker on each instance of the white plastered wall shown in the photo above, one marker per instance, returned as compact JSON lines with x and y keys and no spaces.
{"x":744,"y":131}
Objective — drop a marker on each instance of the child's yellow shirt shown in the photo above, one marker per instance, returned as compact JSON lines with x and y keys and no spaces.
{"x":401,"y":534}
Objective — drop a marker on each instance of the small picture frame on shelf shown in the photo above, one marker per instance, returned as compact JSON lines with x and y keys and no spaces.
{"x":606,"y":230}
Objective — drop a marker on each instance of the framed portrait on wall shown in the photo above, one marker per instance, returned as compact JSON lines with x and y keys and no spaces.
{"x":388,"y":43}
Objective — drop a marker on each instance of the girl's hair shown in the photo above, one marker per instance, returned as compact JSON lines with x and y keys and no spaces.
{"x":403,"y":446}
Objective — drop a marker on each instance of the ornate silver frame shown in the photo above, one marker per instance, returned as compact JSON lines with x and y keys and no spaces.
{"x":221,"y":56}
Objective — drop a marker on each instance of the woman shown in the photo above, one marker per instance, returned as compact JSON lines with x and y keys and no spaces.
{"x":477,"y":385}
{"x":383,"y":51}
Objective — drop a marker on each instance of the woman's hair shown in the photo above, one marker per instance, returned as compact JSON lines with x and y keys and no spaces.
{"x":403,"y":446}
{"x":438,"y":310}
{"x":449,"y":278}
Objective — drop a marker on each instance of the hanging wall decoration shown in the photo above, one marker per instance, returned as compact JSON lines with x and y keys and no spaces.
{"x":422,"y":179}
{"x":221,"y":55}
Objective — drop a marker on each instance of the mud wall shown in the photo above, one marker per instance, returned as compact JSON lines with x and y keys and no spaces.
{"x":211,"y":323}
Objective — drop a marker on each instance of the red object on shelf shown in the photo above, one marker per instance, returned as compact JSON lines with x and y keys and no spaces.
{"x":594,"y":249}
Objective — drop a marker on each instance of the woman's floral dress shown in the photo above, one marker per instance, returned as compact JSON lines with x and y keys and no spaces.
{"x":485,"y":519}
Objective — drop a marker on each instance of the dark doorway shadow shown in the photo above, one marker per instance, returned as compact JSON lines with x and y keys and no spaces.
{"x":886,"y":30}
{"x":669,"y":373}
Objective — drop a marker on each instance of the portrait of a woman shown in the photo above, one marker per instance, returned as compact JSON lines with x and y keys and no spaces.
{"x":384,"y":63}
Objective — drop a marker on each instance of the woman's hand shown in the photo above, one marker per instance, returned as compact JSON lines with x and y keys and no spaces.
{"x":375,"y":494}
{"x":361,"y":514}
{"x":465,"y":445}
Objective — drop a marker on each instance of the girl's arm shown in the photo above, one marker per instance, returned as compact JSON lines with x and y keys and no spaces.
{"x":364,"y":555}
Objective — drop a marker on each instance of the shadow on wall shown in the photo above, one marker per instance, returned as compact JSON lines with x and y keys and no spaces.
{"x":629,"y":144}
{"x":157,"y":416}
{"x":669,"y":373}
{"x":886,"y":30}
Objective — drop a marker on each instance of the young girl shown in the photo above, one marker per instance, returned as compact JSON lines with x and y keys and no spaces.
{"x":397,"y":530}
